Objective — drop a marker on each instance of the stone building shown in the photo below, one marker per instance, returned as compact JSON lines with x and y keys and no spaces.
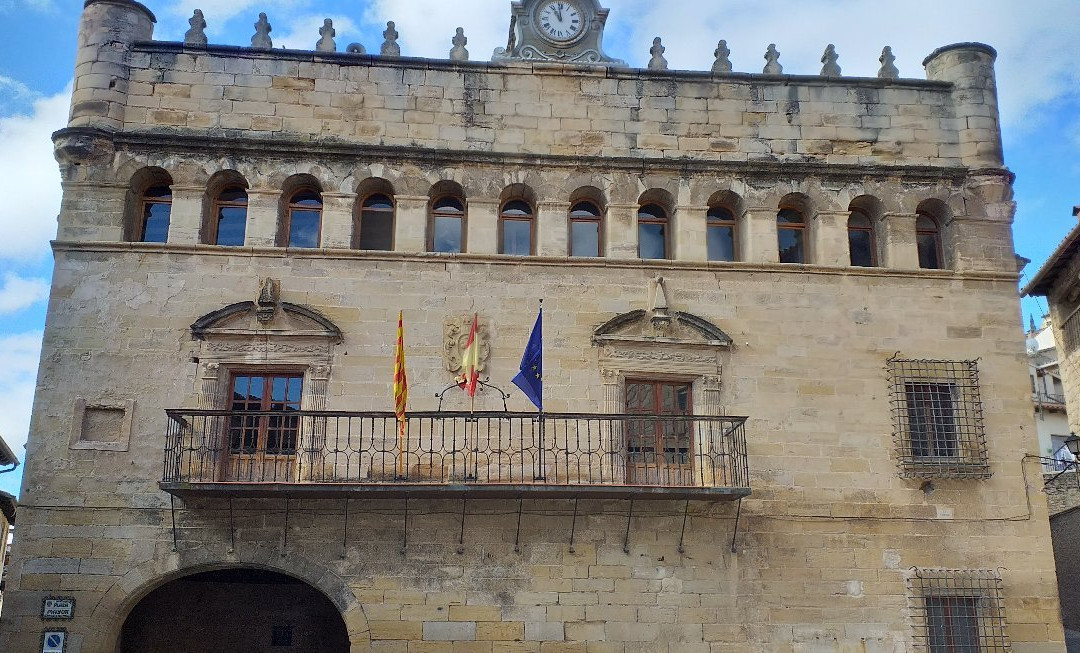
{"x":8,"y":505}
{"x":784,"y":390}
{"x":1048,"y":394}
{"x":1057,"y":281}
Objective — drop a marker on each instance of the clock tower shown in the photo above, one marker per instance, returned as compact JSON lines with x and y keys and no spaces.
{"x":563,"y":31}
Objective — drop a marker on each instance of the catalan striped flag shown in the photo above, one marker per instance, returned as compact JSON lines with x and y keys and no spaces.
{"x":401,"y":383}
{"x":470,"y":362}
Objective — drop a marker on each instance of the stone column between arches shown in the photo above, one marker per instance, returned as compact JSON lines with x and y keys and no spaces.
{"x":186,"y":214}
{"x":552,"y":229}
{"x":410,"y":223}
{"x":262,"y":217}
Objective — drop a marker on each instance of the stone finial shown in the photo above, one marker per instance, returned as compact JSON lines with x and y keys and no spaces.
{"x":658,"y":62}
{"x":266,"y":304}
{"x":390,"y":47}
{"x":888,"y":65}
{"x":772,"y":61}
{"x":197,"y":34}
{"x":327,"y":33}
{"x":262,"y":39}
{"x":459,"y":53}
{"x":722,"y":63}
{"x":830,"y":68}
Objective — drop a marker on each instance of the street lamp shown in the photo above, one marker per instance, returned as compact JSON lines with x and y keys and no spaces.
{"x":1073,"y":444}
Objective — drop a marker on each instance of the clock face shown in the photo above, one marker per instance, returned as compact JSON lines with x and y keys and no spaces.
{"x":560,"y":20}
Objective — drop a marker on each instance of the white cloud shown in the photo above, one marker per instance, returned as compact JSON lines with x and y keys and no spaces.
{"x":15,"y":96}
{"x":39,"y":5}
{"x":28,"y":217}
{"x":18,"y":374}
{"x":305,"y":33}
{"x":427,"y":26}
{"x":18,"y":293}
{"x":218,"y":14}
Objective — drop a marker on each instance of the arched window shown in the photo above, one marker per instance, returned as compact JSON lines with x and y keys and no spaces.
{"x":516,"y":228}
{"x":928,"y":238}
{"x":229,"y":217}
{"x":375,"y":230}
{"x":791,"y":235}
{"x":652,"y":232}
{"x":862,"y":245}
{"x":447,"y":225}
{"x":720,"y":234}
{"x":303,"y":218}
{"x":585,"y":229}
{"x":155,"y":211}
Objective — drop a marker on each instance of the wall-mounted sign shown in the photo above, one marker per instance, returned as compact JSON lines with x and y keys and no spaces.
{"x":58,"y":607}
{"x":54,"y":641}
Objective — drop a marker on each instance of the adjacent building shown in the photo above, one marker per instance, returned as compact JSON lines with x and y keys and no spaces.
{"x":784,"y":405}
{"x":1048,"y":395}
{"x":8,"y":505}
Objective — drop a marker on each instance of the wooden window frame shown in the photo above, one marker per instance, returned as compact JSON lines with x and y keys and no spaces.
{"x":868,"y":230}
{"x":598,"y":220}
{"x":145,"y":201}
{"x":658,"y":381}
{"x":932,"y":419}
{"x":936,"y":233}
{"x":666,"y":221}
{"x":531,"y":219}
{"x":261,"y":451}
{"x":215,"y":213}
{"x":434,"y":213}
{"x":800,"y":227}
{"x":285,"y":237}
{"x":716,"y":221}
{"x":358,"y":224}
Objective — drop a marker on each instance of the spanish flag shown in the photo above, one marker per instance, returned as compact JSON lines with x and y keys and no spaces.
{"x":401,"y":383}
{"x":470,"y":362}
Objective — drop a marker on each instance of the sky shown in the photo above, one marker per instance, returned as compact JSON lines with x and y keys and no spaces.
{"x":1038,"y":79}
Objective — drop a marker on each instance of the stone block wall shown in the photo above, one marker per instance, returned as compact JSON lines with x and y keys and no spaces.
{"x":827,"y":541}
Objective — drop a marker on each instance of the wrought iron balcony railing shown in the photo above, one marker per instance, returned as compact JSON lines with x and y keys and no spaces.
{"x":1047,"y":398}
{"x":281,"y":453}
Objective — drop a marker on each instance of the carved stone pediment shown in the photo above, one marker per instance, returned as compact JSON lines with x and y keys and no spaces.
{"x":252,"y":318}
{"x":456,"y":336}
{"x":670,"y":328}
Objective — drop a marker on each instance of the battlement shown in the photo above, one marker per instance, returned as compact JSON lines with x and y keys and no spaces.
{"x":528,"y":106}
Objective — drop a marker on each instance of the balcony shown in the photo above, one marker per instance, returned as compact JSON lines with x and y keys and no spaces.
{"x":1048,"y":399}
{"x":450,"y":454}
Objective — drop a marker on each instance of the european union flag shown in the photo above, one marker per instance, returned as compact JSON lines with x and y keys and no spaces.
{"x":531,"y":377}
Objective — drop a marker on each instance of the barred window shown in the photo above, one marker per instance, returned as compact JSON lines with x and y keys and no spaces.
{"x":958,"y":611}
{"x":937,"y":418}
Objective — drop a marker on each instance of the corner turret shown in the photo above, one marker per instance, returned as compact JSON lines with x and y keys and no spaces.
{"x":107,"y":31}
{"x":970,"y":67}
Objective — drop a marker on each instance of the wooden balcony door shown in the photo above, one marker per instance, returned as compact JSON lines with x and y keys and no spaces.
{"x":659,"y":452}
{"x":261,"y":448}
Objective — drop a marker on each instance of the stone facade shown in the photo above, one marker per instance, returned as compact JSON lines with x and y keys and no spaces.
{"x":830,"y":536}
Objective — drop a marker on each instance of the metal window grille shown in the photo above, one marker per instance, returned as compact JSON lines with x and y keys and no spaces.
{"x":958,"y":611}
{"x":1070,"y":331}
{"x":938,"y":421}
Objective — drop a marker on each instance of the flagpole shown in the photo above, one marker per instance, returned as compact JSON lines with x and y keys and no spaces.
{"x":543,"y":445}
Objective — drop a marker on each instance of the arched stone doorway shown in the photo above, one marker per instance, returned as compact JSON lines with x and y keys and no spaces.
{"x":238,"y":610}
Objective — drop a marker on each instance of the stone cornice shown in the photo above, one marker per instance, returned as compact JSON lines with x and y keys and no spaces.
{"x":99,"y":247}
{"x":231,"y":144}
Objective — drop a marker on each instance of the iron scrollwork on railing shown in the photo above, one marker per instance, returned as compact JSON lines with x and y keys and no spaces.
{"x":443,"y":448}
